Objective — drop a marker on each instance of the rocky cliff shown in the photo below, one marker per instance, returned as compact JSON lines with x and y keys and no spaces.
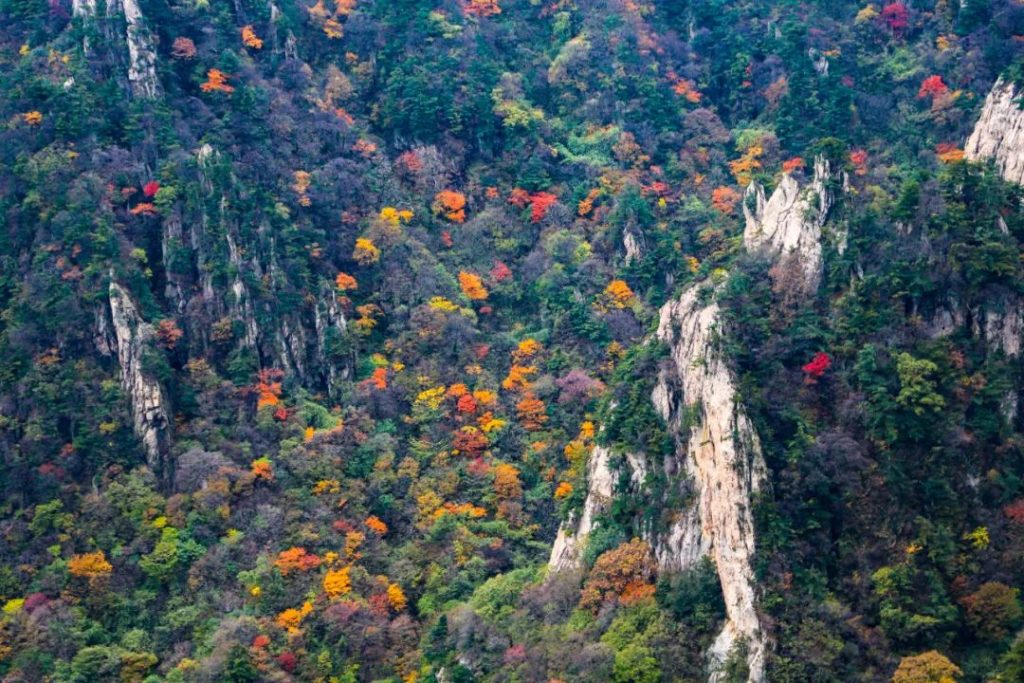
{"x":719,"y":452}
{"x":572,"y":537}
{"x":718,"y":455}
{"x":148,"y":402}
{"x":141,"y":68}
{"x":787,"y":227}
{"x":999,"y":133}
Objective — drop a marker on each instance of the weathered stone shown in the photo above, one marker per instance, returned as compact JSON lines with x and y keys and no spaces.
{"x":146,"y":396}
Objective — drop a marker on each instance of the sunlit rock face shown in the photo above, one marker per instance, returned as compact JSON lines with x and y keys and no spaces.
{"x":568,"y":548}
{"x":718,"y":460}
{"x":146,"y":396}
{"x":786,"y":227}
{"x":137,"y":39}
{"x":719,"y":452}
{"x":999,"y":132}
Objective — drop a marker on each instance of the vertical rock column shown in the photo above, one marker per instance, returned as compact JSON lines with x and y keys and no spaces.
{"x":722,"y":457}
{"x":138,"y":39}
{"x":148,"y":402}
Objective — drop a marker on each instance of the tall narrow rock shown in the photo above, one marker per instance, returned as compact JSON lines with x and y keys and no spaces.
{"x":999,"y":135}
{"x":141,"y":57}
{"x":572,"y":536}
{"x":138,"y":40}
{"x":148,"y":402}
{"x":328,"y":320}
{"x":718,"y":461}
{"x":721,"y":455}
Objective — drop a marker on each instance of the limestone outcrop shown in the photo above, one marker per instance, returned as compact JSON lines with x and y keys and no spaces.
{"x":720,"y":453}
{"x":999,"y":132}
{"x":146,"y":396}
{"x":787,"y":227}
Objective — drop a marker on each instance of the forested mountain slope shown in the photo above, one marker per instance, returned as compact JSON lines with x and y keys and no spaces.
{"x":510,"y":340}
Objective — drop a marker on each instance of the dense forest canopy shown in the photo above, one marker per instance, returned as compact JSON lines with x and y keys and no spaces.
{"x":319,"y":322}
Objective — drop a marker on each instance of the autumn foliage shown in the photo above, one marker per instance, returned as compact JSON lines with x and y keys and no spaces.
{"x":818,"y":365}
{"x":539,"y":202}
{"x":365,"y":252}
{"x":396,"y":597}
{"x":794,"y":164}
{"x":183,"y":48}
{"x":948,"y":152}
{"x":216,"y":81}
{"x":296,"y":559}
{"x":927,"y":667}
{"x":724,"y":199}
{"x":532,"y":413}
{"x":896,"y":17}
{"x":290,"y":619}
{"x":481,"y":8}
{"x":451,"y":204}
{"x":337,"y":582}
{"x":617,"y":294}
{"x":472,"y":286}
{"x":262,"y":468}
{"x":90,"y":565}
{"x":506,"y":481}
{"x":374,"y":524}
{"x":859,"y":159}
{"x":268,"y":387}
{"x":345,"y":282}
{"x":168,"y":333}
{"x":933,"y":87}
{"x":250,"y":39}
{"x":622,"y":574}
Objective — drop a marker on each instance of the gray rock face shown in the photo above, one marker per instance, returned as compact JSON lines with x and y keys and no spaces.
{"x":999,"y":133}
{"x":141,"y":57}
{"x":572,"y":537}
{"x":138,"y":39}
{"x":721,"y":455}
{"x":787,"y":227}
{"x":718,"y":455}
{"x":148,"y":402}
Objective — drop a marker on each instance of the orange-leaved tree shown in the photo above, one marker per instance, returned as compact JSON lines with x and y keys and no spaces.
{"x":451,"y":204}
{"x":90,"y":565}
{"x":344,"y":282}
{"x":216,"y":81}
{"x":724,"y":199}
{"x":472,"y":286}
{"x":623,"y":574}
{"x":268,"y":387}
{"x":532,"y":413}
{"x":506,"y":481}
{"x":376,"y":525}
{"x":296,"y":559}
{"x":250,"y":39}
